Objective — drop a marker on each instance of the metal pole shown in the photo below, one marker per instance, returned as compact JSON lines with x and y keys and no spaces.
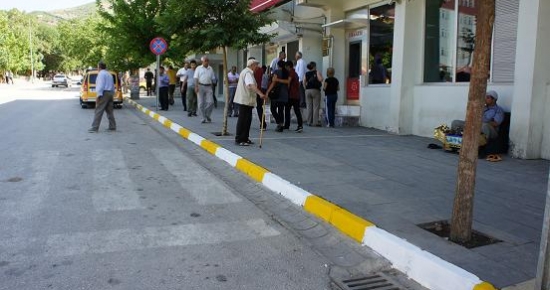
{"x":542,"y":281}
{"x":30,"y":45}
{"x":157,"y":83}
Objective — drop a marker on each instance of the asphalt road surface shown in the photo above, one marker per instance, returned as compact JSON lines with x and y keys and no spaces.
{"x":138,"y":208}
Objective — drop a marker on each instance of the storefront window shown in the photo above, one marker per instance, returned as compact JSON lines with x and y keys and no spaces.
{"x":381,"y":23}
{"x":440,"y":41}
{"x":465,"y":41}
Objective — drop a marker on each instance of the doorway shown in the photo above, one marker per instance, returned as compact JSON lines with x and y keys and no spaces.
{"x":354,"y":73}
{"x":291,"y":50}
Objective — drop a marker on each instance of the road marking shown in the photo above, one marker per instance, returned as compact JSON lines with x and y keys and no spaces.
{"x":30,"y":200}
{"x":159,"y":237}
{"x":204,"y":187}
{"x":113,"y":188}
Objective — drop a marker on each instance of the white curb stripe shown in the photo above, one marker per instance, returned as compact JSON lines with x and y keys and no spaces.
{"x":425,"y":268}
{"x":285,"y":188}
{"x":228,"y":156}
{"x":197,"y":139}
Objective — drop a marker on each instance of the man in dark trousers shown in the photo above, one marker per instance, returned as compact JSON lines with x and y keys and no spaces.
{"x":105,"y":89}
{"x":149,"y":81}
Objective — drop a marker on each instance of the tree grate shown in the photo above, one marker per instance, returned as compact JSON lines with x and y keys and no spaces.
{"x":377,"y":281}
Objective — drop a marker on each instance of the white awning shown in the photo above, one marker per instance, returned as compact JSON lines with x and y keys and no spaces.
{"x":348,"y":23}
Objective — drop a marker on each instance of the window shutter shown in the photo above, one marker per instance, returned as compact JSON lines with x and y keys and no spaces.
{"x":505,"y":39}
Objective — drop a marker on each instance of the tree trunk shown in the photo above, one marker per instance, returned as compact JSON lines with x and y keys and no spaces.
{"x":225,"y":92}
{"x":462,"y":218}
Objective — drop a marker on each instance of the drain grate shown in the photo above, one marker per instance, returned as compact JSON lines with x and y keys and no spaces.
{"x":377,"y":281}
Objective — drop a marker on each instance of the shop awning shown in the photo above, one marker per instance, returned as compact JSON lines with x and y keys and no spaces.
{"x":261,"y":5}
{"x":348,"y":23}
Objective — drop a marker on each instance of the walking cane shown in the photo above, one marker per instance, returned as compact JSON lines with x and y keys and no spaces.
{"x":262,"y":124}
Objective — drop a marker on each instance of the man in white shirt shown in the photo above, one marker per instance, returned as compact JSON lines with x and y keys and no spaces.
{"x":105,"y":89}
{"x":204,"y":79}
{"x":301,"y":71}
{"x":245,"y":96}
{"x":233,"y":78}
{"x":183,"y":84}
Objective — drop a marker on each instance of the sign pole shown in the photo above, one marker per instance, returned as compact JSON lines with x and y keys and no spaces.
{"x":542,"y":280}
{"x":157,"y":85}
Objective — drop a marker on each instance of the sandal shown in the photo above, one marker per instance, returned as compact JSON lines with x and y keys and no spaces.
{"x":249,"y":142}
{"x":494,"y":158}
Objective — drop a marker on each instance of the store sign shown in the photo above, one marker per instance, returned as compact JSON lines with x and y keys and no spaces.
{"x":357,"y":34}
{"x":353,"y":88}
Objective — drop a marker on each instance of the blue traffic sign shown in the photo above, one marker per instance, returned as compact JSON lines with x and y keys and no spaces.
{"x":158,"y":45}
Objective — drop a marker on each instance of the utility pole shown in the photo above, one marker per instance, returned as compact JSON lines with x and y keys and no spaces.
{"x":542,"y":281}
{"x":30,"y":46}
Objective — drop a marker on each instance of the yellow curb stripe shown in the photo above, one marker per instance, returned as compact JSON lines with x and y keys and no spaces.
{"x":343,"y":220}
{"x":319,"y":207}
{"x":256,"y":172}
{"x":184,"y":133}
{"x":484,"y":286}
{"x":156,"y":116}
{"x":210,"y":146}
{"x":147,"y":111}
{"x":167,"y":123}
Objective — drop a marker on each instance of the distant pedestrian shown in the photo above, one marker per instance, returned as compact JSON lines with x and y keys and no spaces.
{"x":149,"y":81}
{"x":331,"y":86}
{"x":273,"y":65}
{"x":378,"y":73}
{"x":301,"y":71}
{"x":293,"y":99}
{"x":260,"y":75}
{"x":279,"y":97}
{"x":163,"y":83}
{"x":105,"y":89}
{"x":313,"y":82}
{"x":171,"y":73}
{"x":204,"y":79}
{"x":233,"y":79}
{"x":245,"y":96}
{"x":10,"y":77}
{"x":183,"y":84}
{"x":190,"y":85}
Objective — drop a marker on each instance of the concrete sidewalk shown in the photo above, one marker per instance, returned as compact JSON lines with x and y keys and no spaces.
{"x":397,"y":183}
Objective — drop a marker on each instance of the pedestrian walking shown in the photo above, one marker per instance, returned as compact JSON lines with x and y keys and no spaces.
{"x":260,"y":75}
{"x":149,"y":81}
{"x":163,"y":83}
{"x":313,"y":82}
{"x":301,"y":71}
{"x":293,"y":99}
{"x":233,"y":79}
{"x":171,"y":73}
{"x":105,"y":89}
{"x":190,"y":85}
{"x":245,"y":96}
{"x":183,"y":84}
{"x":204,"y":79}
{"x":331,"y":86}
{"x":278,"y":94}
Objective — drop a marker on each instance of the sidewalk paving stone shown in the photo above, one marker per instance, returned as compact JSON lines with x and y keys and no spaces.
{"x":397,"y":183}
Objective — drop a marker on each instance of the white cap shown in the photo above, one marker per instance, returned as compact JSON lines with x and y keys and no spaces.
{"x":251,"y":62}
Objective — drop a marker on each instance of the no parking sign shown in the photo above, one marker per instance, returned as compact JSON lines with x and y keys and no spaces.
{"x":158,"y":45}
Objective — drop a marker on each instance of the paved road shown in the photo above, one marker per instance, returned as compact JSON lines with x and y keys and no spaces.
{"x":143,"y":209}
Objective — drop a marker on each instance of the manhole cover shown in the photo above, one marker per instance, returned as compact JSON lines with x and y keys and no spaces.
{"x":377,"y":281}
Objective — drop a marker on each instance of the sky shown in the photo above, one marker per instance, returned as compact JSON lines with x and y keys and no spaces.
{"x":41,"y":5}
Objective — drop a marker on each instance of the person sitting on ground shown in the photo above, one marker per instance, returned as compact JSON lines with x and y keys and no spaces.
{"x":493,"y":115}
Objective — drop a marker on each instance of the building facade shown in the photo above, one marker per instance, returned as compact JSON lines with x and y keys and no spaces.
{"x":406,"y":63}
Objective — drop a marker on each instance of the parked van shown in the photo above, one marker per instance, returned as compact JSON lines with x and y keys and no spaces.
{"x":88,"y":94}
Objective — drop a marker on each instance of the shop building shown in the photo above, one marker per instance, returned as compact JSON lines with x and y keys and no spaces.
{"x":423,"y":51}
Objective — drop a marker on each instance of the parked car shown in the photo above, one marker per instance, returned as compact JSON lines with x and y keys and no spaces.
{"x":76,"y":79}
{"x":61,"y":80}
{"x":88,"y":93}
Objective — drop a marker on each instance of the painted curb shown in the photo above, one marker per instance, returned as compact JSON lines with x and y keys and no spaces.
{"x":425,"y":268}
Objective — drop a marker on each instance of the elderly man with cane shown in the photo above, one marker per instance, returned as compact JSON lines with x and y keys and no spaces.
{"x":245,"y":96}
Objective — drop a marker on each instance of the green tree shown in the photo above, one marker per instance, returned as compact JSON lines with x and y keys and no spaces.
{"x":129,"y":28}
{"x":206,"y":25}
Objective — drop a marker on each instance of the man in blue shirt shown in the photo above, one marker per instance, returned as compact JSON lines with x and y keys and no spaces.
{"x":164,"y":82}
{"x":105,"y":89}
{"x":493,"y":115}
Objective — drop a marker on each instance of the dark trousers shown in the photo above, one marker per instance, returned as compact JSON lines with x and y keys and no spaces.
{"x":330,"y":105}
{"x":302,"y":95}
{"x":260,"y":109}
{"x":171,"y":90}
{"x":214,"y":96}
{"x":183,"y":91}
{"x":296,"y":105}
{"x":278,"y":112}
{"x":163,"y":98}
{"x":149,"y":86}
{"x":243,"y":124}
{"x":104,"y":104}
